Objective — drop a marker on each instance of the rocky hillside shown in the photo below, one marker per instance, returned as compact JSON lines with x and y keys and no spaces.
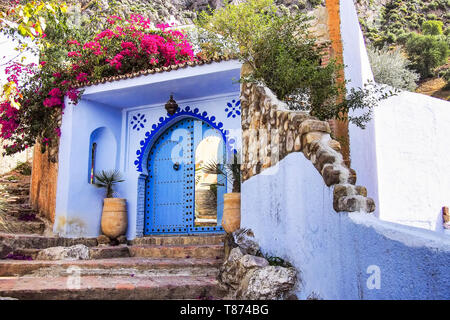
{"x":181,"y":11}
{"x":389,"y":21}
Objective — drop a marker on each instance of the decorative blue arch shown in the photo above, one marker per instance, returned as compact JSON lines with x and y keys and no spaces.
{"x":166,"y":122}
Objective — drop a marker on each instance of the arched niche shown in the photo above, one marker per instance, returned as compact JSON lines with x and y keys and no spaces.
{"x":102,"y":152}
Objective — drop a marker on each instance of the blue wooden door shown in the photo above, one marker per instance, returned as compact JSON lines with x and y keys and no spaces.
{"x":170,"y":185}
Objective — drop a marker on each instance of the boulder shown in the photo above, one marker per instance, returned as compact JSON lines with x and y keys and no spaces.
{"x":245,"y":239}
{"x":268,"y":283}
{"x":248,"y":263}
{"x":229,"y":269}
{"x":77,"y":252}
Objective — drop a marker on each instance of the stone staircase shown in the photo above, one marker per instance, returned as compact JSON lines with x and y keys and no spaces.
{"x":16,"y":215}
{"x":156,"y":267}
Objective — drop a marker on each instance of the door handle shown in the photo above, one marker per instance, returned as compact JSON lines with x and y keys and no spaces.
{"x":176,"y":166}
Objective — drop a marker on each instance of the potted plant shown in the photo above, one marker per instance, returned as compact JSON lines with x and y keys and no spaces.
{"x":114,"y":216}
{"x":231,"y":218}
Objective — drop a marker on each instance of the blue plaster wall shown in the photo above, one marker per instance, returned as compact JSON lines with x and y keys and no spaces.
{"x":117,"y":116}
{"x":290,"y":210}
{"x":79,"y":203}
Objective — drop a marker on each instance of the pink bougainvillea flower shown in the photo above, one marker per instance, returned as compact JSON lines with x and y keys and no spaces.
{"x":52,"y":101}
{"x":74,"y":54}
{"x":75,"y":42}
{"x":57,"y":75}
{"x":55,"y":92}
{"x":43,"y":63}
{"x":73,"y":94}
{"x":82,"y":77}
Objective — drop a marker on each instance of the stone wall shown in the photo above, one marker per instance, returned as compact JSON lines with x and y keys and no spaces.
{"x":43,"y":183}
{"x":270,"y":132}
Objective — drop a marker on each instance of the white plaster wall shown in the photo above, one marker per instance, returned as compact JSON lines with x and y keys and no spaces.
{"x":289,"y":208}
{"x":402,"y":157}
{"x":413,"y":158}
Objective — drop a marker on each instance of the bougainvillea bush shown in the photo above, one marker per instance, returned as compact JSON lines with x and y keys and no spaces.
{"x":121,"y":46}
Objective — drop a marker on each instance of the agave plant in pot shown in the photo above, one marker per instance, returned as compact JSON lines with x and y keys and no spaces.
{"x":231,"y":218}
{"x":114,"y":216}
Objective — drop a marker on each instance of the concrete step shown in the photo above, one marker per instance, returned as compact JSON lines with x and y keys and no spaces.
{"x":28,"y":241}
{"x":180,"y":240}
{"x":115,"y":266}
{"x":111,"y":287}
{"x":177,"y":251}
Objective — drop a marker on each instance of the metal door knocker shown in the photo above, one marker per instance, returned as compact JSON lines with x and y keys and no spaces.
{"x":176,"y":166}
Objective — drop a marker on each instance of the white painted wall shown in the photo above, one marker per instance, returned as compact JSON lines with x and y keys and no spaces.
{"x":290,"y":210}
{"x":413,"y":159}
{"x":402,"y":157}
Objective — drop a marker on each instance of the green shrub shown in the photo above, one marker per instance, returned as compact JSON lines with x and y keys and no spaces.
{"x":24,"y":168}
{"x":432,"y":27}
{"x":391,"y":67}
{"x":287,"y":58}
{"x":427,"y":52}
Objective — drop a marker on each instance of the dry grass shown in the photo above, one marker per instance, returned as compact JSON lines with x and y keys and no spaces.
{"x":435,"y":87}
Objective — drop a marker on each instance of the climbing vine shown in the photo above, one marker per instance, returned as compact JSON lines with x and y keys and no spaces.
{"x":34,"y":98}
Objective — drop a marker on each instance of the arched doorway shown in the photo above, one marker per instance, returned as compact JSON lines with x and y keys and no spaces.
{"x":179,"y":197}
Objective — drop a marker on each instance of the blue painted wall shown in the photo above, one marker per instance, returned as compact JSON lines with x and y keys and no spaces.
{"x":119,"y":116}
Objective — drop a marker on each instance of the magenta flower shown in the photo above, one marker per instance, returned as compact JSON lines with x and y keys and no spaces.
{"x":82,"y":77}
{"x":51,"y":102}
{"x":55,"y":92}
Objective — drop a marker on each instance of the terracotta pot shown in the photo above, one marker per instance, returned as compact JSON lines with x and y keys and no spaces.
{"x":114,"y":217}
{"x":231,"y":219}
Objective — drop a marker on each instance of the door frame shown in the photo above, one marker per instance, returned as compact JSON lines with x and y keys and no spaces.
{"x":146,"y":145}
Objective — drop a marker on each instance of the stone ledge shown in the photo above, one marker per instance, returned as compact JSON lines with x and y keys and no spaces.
{"x":270,"y":132}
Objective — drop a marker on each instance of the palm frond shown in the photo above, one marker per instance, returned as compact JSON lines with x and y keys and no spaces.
{"x":107,"y":179}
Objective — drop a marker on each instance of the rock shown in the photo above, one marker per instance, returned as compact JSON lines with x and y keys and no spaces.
{"x":248,"y":263}
{"x":77,"y":252}
{"x":244,"y":239}
{"x":313,"y":126}
{"x":268,"y":283}
{"x":330,"y":175}
{"x":5,"y":250}
{"x":229,"y":269}
{"x":103,"y":240}
{"x":355,"y":203}
{"x":122,"y":240}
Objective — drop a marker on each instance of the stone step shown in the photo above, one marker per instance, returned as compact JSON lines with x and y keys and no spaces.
{"x":111,"y":287}
{"x":177,"y":251}
{"x":114,"y":266}
{"x":19,"y":212}
{"x":17,"y":191}
{"x":16,"y":200}
{"x":107,"y":252}
{"x":13,"y":225}
{"x":180,"y":240}
{"x":27,"y":241}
